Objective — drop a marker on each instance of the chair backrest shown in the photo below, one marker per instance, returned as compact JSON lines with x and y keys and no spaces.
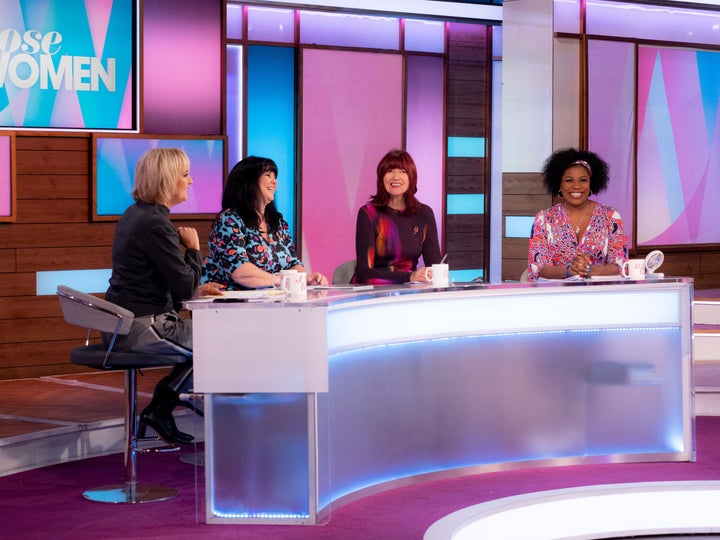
{"x":91,"y":312}
{"x":343,"y":273}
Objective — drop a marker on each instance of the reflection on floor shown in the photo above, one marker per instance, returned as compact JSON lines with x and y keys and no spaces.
{"x":62,"y":418}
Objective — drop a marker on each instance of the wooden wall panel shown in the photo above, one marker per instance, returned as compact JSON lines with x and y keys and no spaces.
{"x":467,"y":115}
{"x":53,"y":231}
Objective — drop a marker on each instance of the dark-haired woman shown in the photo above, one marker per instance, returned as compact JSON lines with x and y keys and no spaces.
{"x":250,"y":242}
{"x":394,"y":229}
{"x":578,"y":236}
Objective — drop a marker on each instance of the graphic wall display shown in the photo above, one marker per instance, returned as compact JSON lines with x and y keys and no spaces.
{"x":68,"y":64}
{"x":114,"y":171}
{"x":678,"y":149}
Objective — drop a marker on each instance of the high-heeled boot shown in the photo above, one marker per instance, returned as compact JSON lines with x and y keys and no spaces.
{"x":158,"y":415}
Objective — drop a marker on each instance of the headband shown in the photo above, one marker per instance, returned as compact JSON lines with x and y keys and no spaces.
{"x":584,"y":164}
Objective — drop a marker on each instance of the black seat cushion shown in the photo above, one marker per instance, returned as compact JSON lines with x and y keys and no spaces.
{"x":94,"y":356}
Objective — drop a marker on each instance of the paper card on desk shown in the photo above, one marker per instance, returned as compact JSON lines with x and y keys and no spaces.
{"x":341,"y":287}
{"x":244,"y":294}
{"x":253,"y":294}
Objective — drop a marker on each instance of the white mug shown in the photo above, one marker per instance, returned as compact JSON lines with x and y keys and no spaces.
{"x":440,"y":275}
{"x":297,"y":286}
{"x":634,"y":269}
{"x":285,"y":276}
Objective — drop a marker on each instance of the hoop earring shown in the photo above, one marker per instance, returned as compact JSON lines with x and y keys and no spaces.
{"x":560,"y":194}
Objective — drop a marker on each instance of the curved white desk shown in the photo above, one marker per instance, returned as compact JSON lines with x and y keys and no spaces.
{"x":352,"y":393}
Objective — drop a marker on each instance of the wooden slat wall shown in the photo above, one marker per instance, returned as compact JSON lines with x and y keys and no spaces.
{"x":523,"y":195}
{"x":467,"y":98}
{"x":52,"y":232}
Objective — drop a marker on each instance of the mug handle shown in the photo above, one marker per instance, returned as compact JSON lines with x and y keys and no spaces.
{"x":626,"y":269}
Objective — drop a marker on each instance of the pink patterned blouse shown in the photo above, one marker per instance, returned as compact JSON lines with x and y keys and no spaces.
{"x":553,"y":240}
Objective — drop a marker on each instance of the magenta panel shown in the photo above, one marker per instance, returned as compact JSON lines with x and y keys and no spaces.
{"x":181,"y":63}
{"x":425,"y":128}
{"x":611,"y":118}
{"x":6,"y":194}
{"x":348,"y":124}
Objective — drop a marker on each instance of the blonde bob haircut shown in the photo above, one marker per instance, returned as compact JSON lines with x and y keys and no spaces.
{"x":156,"y":174}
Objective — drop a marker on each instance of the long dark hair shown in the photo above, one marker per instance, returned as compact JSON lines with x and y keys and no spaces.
{"x":397,"y":159}
{"x":242,"y":192}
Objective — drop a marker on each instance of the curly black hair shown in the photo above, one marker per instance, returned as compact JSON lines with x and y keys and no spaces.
{"x":556,"y":165}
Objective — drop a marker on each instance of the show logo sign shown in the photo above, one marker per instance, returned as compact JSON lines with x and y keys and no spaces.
{"x":26,"y":60}
{"x":72,"y":69}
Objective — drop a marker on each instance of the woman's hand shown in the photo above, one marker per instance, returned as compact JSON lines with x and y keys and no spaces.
{"x":580,"y":265}
{"x":423,"y":273}
{"x":189,"y":238}
{"x":316,"y":278}
{"x":209,"y":289}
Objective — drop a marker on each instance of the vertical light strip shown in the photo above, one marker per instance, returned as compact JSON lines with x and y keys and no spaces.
{"x":234,"y":111}
{"x":271,"y":117}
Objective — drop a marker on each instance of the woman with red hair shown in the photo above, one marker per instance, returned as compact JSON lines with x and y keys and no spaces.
{"x":394,"y":229}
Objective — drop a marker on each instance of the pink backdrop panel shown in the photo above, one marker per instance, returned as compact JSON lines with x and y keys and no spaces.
{"x":611,"y":99}
{"x":425,"y":129}
{"x":182,"y":64}
{"x":6,"y":194}
{"x":352,"y":115}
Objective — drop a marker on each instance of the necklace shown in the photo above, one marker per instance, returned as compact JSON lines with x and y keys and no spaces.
{"x":582,"y":219}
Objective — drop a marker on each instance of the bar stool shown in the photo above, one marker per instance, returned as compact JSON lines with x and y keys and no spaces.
{"x":93,"y":313}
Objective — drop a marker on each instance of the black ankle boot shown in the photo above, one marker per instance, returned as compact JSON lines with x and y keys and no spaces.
{"x":158,"y":415}
{"x":164,"y":425}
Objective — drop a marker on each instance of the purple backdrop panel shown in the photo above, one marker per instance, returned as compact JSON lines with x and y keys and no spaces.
{"x":349,"y":123}
{"x":425,"y":128}
{"x":611,"y":121}
{"x":348,"y":30}
{"x":646,"y":22}
{"x":182,"y":65}
{"x":678,"y":147}
{"x":6,"y":186}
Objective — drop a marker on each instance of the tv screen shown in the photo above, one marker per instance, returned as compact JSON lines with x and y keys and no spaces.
{"x":68,"y":64}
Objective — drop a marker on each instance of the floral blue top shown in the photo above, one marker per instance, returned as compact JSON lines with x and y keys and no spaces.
{"x":233,"y":244}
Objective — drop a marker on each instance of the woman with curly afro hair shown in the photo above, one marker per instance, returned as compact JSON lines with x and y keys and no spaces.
{"x":577,"y":236}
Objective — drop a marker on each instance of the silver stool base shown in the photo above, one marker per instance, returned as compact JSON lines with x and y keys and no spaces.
{"x":129,"y":494}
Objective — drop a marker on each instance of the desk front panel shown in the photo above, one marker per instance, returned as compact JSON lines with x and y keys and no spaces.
{"x":499,"y":378}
